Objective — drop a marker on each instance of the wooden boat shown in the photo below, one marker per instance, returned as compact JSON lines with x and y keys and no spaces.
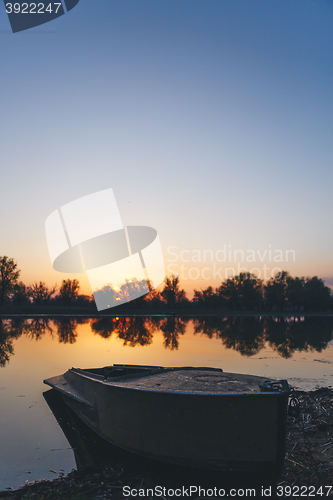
{"x":197,"y":417}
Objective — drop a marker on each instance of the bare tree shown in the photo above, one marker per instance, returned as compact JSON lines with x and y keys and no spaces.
{"x":172,"y":294}
{"x":40,"y":293}
{"x":9,"y":275}
{"x":69,"y":291}
{"x":20,"y":293}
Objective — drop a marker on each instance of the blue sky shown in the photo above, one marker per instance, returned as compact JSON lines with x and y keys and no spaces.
{"x":211,"y":120}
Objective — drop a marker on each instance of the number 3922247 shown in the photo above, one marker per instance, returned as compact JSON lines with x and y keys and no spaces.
{"x":32,"y":8}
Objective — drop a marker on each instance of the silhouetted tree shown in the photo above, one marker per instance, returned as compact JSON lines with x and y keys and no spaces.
{"x":110,"y":296}
{"x":107,"y":296}
{"x":229,"y":293}
{"x":40,"y":293}
{"x":295,"y":292}
{"x":250,"y":288}
{"x":153,"y":298}
{"x":207,"y":298}
{"x":69,"y":291}
{"x":275,"y":291}
{"x":133,"y":289}
{"x":20,"y":293}
{"x":172,"y":294}
{"x":9,"y":275}
{"x":243,"y":291}
{"x":85,"y":300}
{"x":317,"y":296}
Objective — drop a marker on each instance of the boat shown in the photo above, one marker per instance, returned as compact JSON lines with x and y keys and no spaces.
{"x":195,"y":417}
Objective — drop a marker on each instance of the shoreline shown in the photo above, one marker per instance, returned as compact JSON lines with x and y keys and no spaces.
{"x":177,"y":313}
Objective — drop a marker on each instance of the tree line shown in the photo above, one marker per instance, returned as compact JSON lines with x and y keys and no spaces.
{"x":14,"y":291}
{"x":242,"y":292}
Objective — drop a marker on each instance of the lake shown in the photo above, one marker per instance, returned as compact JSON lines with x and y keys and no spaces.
{"x":33,"y":445}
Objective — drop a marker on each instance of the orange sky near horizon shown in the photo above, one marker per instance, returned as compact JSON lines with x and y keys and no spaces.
{"x":187,"y":273}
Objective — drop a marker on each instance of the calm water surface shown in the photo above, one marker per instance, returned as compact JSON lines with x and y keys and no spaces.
{"x":33,"y":445}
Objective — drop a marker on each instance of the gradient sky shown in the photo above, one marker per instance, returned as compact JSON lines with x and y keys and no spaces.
{"x":210,"y":119}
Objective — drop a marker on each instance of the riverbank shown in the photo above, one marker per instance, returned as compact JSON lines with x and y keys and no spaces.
{"x":308,"y":463}
{"x":54,"y":312}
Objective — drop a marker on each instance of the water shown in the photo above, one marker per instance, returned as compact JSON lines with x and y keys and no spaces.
{"x":33,"y":445}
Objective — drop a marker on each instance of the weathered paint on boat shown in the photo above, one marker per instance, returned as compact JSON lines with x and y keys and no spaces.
{"x":198,"y":417}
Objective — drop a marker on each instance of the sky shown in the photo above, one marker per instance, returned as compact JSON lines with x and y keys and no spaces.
{"x":211,"y":120}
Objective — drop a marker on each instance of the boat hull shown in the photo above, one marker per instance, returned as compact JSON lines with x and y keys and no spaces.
{"x":227,"y":432}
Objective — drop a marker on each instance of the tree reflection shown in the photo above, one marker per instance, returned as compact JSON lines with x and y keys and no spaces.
{"x":139,"y":330}
{"x":66,"y":330}
{"x":37,"y":328}
{"x":209,"y":326}
{"x":243,"y":334}
{"x":6,"y":342}
{"x":172,"y":327}
{"x":246,"y":335}
{"x":104,"y":326}
{"x":134,"y":331}
{"x":285,"y":335}
{"x":18,"y":326}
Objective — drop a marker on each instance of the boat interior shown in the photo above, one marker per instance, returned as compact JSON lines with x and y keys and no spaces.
{"x":122,"y":372}
{"x":119,"y":372}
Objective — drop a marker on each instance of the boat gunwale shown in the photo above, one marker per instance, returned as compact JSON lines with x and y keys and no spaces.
{"x":76,"y":396}
{"x":80,"y":372}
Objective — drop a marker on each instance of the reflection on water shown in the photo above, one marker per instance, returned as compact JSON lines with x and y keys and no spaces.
{"x":133,"y":331}
{"x":172,"y":328}
{"x":247,"y":335}
{"x":31,"y":350}
{"x":285,"y":335}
